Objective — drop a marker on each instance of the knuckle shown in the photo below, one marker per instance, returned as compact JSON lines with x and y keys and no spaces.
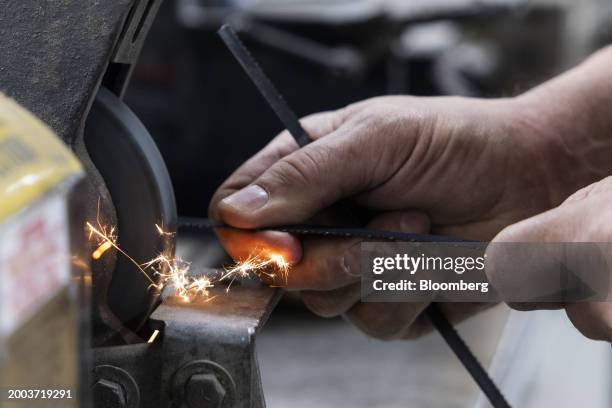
{"x":598,"y":188}
{"x":382,"y":117}
{"x":302,"y":168}
{"x":283,"y":145}
{"x":581,"y":194}
{"x":288,"y":172}
{"x":322,"y":123}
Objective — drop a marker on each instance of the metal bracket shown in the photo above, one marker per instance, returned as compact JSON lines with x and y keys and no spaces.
{"x":130,"y":42}
{"x":202,"y":335}
{"x":205,"y":355}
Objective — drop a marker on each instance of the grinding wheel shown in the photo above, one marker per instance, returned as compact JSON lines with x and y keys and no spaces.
{"x":136,"y":176}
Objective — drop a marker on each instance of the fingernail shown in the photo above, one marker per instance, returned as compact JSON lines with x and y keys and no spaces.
{"x":250,"y":198}
{"x":352,"y":260}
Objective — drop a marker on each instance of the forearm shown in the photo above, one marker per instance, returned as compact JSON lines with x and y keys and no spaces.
{"x":573,"y":113}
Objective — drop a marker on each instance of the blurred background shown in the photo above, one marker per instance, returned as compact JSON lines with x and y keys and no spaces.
{"x":207,"y":118}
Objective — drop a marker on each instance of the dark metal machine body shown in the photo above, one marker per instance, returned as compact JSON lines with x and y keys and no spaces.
{"x":69,"y":62}
{"x":54,"y":59}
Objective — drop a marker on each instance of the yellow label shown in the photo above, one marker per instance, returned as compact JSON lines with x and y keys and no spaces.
{"x":32,"y":158}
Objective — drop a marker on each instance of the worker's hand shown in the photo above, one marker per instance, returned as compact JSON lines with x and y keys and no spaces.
{"x":453,"y":166}
{"x":585,"y":217}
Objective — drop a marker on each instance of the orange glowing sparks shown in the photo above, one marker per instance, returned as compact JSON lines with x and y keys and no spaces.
{"x":263,"y":263}
{"x":174,"y":271}
{"x":169,"y":270}
{"x":281,"y":265}
{"x":105,"y":238}
{"x":105,"y":246}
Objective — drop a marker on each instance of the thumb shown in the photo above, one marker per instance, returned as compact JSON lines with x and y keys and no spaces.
{"x":301,"y":184}
{"x":537,"y":263}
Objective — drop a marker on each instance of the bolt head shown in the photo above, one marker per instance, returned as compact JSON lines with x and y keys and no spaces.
{"x":108,"y":394}
{"x":204,"y":390}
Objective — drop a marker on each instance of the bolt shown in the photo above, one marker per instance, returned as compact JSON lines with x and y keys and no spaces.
{"x":108,"y":394}
{"x":204,"y":390}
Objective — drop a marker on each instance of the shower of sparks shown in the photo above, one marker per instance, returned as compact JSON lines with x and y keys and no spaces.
{"x":169,"y":270}
{"x":261,"y":264}
{"x":107,"y":238}
{"x":173,"y":271}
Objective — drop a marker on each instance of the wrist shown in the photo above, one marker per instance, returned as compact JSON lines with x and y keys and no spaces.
{"x":568,"y":122}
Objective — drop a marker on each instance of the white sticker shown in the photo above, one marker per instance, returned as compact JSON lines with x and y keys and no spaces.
{"x":34,"y":260}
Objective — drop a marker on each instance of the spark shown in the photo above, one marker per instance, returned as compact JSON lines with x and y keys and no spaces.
{"x":161,"y":231}
{"x":153,"y":337}
{"x":170,"y":270}
{"x":281,"y":265}
{"x":106,"y":238}
{"x":174,"y":271}
{"x":105,"y":246}
{"x":258,"y":264}
{"x":93,"y":231}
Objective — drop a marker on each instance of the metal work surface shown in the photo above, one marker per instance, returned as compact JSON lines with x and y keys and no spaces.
{"x":236,"y":309}
{"x":205,"y":354}
{"x":220,"y":331}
